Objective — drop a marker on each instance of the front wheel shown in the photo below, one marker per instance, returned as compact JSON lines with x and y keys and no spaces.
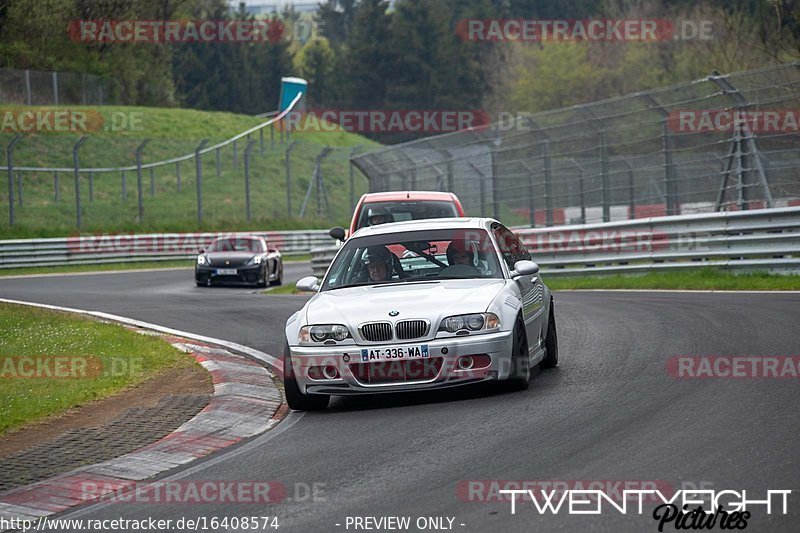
{"x":296,"y":399}
{"x":279,"y":279}
{"x":520,"y":377}
{"x":551,"y":342}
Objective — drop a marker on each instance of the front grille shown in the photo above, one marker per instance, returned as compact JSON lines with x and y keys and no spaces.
{"x":407,"y":371}
{"x":411,"y":329}
{"x":231,"y":263}
{"x":376,"y":331}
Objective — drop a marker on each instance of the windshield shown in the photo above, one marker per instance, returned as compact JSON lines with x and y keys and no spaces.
{"x":374,"y":213}
{"x":241,"y":244}
{"x":414,"y":256}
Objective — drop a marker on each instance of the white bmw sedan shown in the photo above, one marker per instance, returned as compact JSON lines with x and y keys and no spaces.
{"x":420,"y":305}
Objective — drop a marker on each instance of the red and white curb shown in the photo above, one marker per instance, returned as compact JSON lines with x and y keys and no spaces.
{"x":245,"y":403}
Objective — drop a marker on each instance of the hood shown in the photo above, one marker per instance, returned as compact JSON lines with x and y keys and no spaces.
{"x":235,"y":258}
{"x":432,"y":300}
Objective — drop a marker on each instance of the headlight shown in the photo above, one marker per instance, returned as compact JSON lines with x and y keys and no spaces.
{"x":256,"y":260}
{"x":324,"y":332}
{"x":202,"y":260}
{"x":473,"y":322}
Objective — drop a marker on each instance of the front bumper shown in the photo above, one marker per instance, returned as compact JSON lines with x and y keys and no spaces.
{"x":244,"y":274}
{"x":498,"y":346}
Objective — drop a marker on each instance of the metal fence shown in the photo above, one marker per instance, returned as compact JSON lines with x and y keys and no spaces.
{"x":763,"y":239}
{"x":263,"y":172}
{"x":33,"y":87}
{"x":710,"y":145}
{"x":122,"y":248}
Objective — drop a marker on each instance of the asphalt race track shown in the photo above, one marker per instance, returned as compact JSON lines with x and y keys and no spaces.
{"x":611,"y":411}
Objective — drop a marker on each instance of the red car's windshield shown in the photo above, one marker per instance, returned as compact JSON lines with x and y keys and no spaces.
{"x":374,"y":213}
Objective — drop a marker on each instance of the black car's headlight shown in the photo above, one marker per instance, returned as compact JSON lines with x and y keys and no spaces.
{"x":256,"y":260}
{"x":203,"y":260}
{"x":324,"y":332}
{"x":470,"y":323}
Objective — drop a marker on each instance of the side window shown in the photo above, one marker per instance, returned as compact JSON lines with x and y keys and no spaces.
{"x":504,"y":240}
{"x":511,"y":247}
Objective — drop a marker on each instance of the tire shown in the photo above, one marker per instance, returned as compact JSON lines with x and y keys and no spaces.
{"x":296,"y":399}
{"x":520,"y":377}
{"x":279,"y":279}
{"x":551,"y":342}
{"x":265,"y":282}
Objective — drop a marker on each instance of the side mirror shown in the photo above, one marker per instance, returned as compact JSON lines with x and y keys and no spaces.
{"x":272,"y":250}
{"x":308,"y":284}
{"x":337,"y":233}
{"x":202,"y":250}
{"x":524,"y":268}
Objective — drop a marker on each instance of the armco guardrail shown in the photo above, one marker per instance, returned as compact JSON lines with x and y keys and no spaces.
{"x":765,"y":239}
{"x":100,"y":249}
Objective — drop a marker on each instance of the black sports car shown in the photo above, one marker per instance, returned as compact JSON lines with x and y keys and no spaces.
{"x":237,"y":260}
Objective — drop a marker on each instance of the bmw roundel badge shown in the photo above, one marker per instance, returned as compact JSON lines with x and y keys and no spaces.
{"x":394,"y":312}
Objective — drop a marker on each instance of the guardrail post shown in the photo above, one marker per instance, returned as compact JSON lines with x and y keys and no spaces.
{"x":261,"y":141}
{"x":76,"y":166}
{"x":605,"y":185}
{"x":56,"y":187}
{"x":495,"y":205}
{"x":140,"y":216}
{"x":19,"y":188}
{"x":198,"y":166}
{"x":548,"y":184}
{"x":670,"y":187}
{"x":272,"y":136}
{"x":287,"y":160}
{"x":91,"y":186}
{"x":178,"y":174}
{"x":247,"y":177}
{"x":352,"y":179}
{"x":152,"y":182}
{"x":216,"y":161}
{"x":55,"y":88}
{"x":631,"y":191}
{"x":531,"y":197}
{"x":28,"y":86}
{"x":10,"y":160}
{"x":124,"y":187}
{"x":583,"y":197}
{"x":235,"y":155}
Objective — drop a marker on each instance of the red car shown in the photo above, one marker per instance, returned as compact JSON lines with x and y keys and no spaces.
{"x":382,"y":207}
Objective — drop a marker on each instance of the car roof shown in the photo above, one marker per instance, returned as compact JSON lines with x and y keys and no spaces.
{"x":425,"y":224}
{"x":395,"y":196}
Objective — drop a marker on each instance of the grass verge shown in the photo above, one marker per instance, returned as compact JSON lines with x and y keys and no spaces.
{"x":52,"y":361}
{"x":695,"y":279}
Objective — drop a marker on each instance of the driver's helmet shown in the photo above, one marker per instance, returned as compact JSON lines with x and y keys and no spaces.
{"x":460,"y":246}
{"x":379,"y":254}
{"x":379,"y":215}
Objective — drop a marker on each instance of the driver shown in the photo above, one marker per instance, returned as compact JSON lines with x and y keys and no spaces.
{"x":461,"y":253}
{"x":379,"y":215}
{"x":379,"y":263}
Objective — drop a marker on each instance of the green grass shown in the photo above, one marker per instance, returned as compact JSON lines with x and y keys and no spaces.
{"x":114,"y":358}
{"x":696,"y":279}
{"x":174,"y":132}
{"x":110,"y":267}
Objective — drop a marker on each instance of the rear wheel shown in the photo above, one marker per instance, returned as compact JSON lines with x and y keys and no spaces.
{"x":296,"y":399}
{"x":551,"y":342}
{"x":520,"y":377}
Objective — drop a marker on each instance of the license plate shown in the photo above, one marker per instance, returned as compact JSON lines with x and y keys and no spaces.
{"x":227,"y":272}
{"x":394,"y":353}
